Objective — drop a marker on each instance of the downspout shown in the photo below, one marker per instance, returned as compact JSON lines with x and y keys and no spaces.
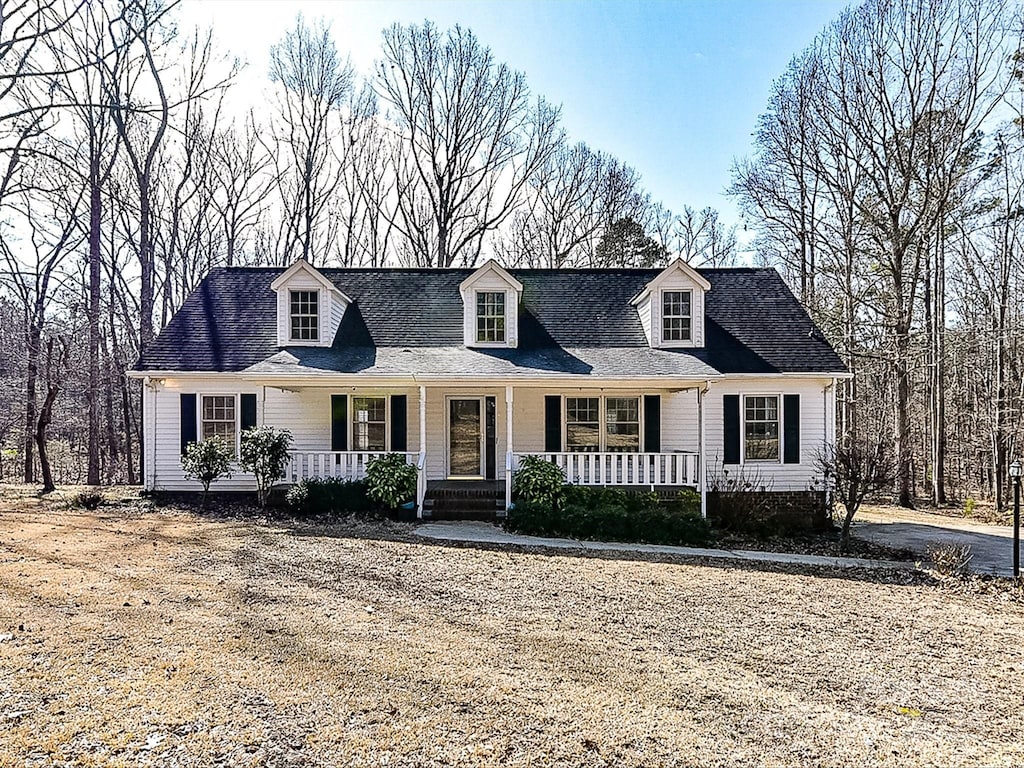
{"x":702,"y":481}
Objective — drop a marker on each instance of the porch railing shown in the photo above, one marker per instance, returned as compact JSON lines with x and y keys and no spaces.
{"x":623,"y":468}
{"x":350,"y":465}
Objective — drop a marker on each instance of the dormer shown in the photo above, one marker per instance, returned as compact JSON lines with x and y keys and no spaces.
{"x":671,"y":307}
{"x":309,"y":307}
{"x":490,"y":307}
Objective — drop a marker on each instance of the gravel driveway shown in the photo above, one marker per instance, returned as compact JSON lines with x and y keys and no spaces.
{"x":992,"y":545}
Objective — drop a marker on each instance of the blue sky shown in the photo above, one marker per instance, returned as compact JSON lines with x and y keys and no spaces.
{"x":671,"y":88}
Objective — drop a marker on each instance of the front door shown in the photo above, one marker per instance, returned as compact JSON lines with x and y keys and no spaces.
{"x":465,"y":437}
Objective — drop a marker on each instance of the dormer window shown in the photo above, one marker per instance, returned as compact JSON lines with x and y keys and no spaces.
{"x":671,"y":307}
{"x":490,"y":307}
{"x":304,"y":315}
{"x":676,"y":318}
{"x":490,"y":317}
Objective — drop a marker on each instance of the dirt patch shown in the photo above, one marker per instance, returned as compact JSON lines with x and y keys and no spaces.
{"x":138,"y":636}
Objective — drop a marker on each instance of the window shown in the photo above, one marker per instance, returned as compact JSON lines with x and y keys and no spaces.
{"x":305,"y":317}
{"x":369,"y":424}
{"x":675,"y":316}
{"x":622,"y":424}
{"x":761,"y":428}
{"x":583,"y":424}
{"x":490,"y":317}
{"x":218,"y":418}
{"x":615,"y":429}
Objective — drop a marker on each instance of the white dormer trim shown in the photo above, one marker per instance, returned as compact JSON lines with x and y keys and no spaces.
{"x":677,"y":276}
{"x":490,"y":278}
{"x":331,"y":304}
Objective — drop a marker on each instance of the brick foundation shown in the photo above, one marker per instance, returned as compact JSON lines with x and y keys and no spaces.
{"x":768,"y":511}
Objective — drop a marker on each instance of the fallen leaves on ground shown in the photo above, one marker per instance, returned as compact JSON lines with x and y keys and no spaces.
{"x":163,"y":638}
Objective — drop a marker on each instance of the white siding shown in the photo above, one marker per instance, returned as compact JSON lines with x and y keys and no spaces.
{"x":305,"y":412}
{"x":679,"y":420}
{"x":644,"y":310}
{"x":813,"y":432}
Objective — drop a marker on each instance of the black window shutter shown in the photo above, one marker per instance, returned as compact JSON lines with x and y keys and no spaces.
{"x":552,"y":423}
{"x":248,"y":412}
{"x":791,"y":429}
{"x":652,"y":423}
{"x":339,"y":422}
{"x":399,"y":423}
{"x":188,"y":420}
{"x":490,"y":437}
{"x":731,"y":428}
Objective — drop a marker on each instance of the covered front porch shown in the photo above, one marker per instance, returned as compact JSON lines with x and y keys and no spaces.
{"x":620,"y":436}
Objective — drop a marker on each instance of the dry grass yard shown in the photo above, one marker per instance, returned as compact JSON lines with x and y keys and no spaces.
{"x":132,"y":636}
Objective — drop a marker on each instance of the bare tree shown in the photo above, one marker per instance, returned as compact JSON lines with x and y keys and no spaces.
{"x":854,"y":468}
{"x":313,"y":83}
{"x":471,"y":140}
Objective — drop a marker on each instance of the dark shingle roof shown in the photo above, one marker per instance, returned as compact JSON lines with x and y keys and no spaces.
{"x":407,"y":321}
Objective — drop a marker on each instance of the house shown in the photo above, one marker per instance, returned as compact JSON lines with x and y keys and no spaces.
{"x":623,"y":377}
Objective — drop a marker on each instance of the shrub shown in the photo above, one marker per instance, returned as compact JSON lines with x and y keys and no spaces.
{"x":391,"y":480}
{"x":87,"y":500}
{"x":264,"y":452}
{"x":207,"y":461}
{"x":970,"y":506}
{"x":329,"y":496}
{"x":612,"y":515}
{"x":538,"y":481}
{"x":951,"y":560}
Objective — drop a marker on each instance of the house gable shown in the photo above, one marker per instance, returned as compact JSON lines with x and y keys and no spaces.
{"x":671,"y":307}
{"x":312,"y":301}
{"x":490,"y":308}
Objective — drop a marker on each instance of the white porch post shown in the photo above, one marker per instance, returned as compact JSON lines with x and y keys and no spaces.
{"x":508,"y":447}
{"x":421,"y":484}
{"x":702,"y":475}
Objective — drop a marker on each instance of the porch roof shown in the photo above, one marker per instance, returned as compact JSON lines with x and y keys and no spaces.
{"x":601,"y":362}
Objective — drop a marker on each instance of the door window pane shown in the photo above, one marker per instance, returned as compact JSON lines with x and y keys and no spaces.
{"x":464,"y":436}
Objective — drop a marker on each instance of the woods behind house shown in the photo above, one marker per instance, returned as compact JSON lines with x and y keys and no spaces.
{"x":884,"y":182}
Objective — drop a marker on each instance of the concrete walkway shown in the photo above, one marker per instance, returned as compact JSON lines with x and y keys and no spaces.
{"x":487,"y":533}
{"x":992,"y":545}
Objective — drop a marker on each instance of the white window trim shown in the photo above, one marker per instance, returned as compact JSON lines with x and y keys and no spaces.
{"x":350,"y":409}
{"x":238,"y":417}
{"x":510,"y":296}
{"x":476,"y":318}
{"x":743,"y":429}
{"x":602,"y":420}
{"x":675,"y":343}
{"x":318,"y":341}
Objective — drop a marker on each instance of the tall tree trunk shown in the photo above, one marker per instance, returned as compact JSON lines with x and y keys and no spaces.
{"x":45,"y":417}
{"x":32,"y":377}
{"x":93,"y":311}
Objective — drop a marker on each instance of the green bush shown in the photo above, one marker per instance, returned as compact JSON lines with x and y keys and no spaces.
{"x":613,"y":515}
{"x":538,"y":481}
{"x":329,"y":496}
{"x":264,"y":452}
{"x":207,"y":461}
{"x":391,"y":480}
